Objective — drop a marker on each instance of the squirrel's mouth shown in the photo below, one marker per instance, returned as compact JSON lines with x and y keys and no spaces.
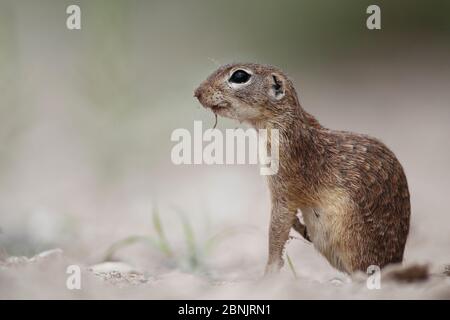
{"x":218,"y":107}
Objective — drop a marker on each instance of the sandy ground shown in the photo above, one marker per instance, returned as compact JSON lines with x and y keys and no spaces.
{"x":114,"y":280}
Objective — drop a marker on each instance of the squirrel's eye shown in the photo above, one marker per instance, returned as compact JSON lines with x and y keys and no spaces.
{"x":239,"y":76}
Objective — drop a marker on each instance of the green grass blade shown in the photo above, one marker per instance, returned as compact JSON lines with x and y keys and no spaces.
{"x":189,"y":235}
{"x":291,"y":266}
{"x":116,"y":246}
{"x":164,"y":245}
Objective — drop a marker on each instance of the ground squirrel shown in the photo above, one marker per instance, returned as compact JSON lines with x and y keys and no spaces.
{"x":350,"y":188}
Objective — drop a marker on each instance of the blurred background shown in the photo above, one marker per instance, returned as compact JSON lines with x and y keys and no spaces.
{"x":86,"y":117}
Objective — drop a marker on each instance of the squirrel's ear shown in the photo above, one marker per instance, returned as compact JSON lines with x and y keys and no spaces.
{"x":277,"y":88}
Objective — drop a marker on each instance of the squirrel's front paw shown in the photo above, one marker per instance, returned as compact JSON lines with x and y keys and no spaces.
{"x":273,"y":268}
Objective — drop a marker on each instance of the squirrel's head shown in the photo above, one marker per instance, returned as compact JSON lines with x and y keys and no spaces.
{"x":248,"y":92}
